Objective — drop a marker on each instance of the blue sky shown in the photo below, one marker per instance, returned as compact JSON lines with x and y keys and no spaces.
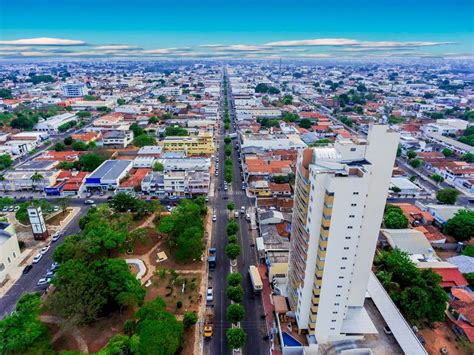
{"x":239,"y":28}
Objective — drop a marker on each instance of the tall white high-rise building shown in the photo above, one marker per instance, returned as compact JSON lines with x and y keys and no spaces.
{"x":340,"y":194}
{"x":74,"y":90}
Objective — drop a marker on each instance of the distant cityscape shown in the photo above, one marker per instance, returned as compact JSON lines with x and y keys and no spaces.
{"x":207,"y":206}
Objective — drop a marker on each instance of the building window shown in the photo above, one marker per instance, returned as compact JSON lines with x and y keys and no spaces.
{"x":9,"y":260}
{"x":14,"y":254}
{"x":341,"y":277}
{"x":349,"y":227}
{"x":344,"y":258}
{"x":351,"y":216}
{"x":353,"y":204}
{"x":346,"y":248}
{"x":355,"y":193}
{"x":336,"y":304}
{"x":348,"y":237}
{"x":333,"y":320}
{"x":2,"y":266}
{"x":339,"y":286}
{"x":343,"y":267}
{"x":353,"y":149}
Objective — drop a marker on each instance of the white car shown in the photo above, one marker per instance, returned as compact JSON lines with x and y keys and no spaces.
{"x":210,"y":295}
{"x":225,"y":187}
{"x":56,"y":237}
{"x":236,"y":214}
{"x":44,"y":281}
{"x":37,"y":258}
{"x":214,"y":218}
{"x":45,"y":249}
{"x":89,"y":202}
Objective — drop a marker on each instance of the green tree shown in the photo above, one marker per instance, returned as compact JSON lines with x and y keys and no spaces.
{"x":88,"y":162}
{"x":287,"y":100}
{"x":5,"y":161}
{"x":22,"y":332}
{"x":189,"y":319}
{"x":234,"y":279}
{"x":175,"y":131}
{"x":89,"y":98}
{"x":63,"y":204}
{"x":461,"y":226}
{"x":159,"y":331}
{"x":305,"y":123}
{"x":394,"y":220}
{"x":437,"y":178}
{"x":137,"y":130}
{"x":447,"y":152}
{"x":232,"y":251}
{"x":232,"y":227}
{"x":158,"y":166}
{"x":236,"y":338}
{"x":261,"y":88}
{"x":231,"y":206}
{"x":79,"y":146}
{"x":235,"y":293}
{"x":470,"y":279}
{"x":121,"y":101}
{"x":68,"y":140}
{"x":411,"y":154}
{"x":6,"y":94}
{"x":83,"y":114}
{"x":235,"y":313}
{"x":468,"y":251}
{"x":227,"y":140}
{"x":59,"y":147}
{"x":468,"y":157}
{"x":415,"y":163}
{"x":447,"y":196}
{"x":35,"y":179}
{"x":123,"y":202}
{"x":144,"y":140}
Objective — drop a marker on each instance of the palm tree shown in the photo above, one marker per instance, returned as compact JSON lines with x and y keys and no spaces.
{"x":36,"y":177}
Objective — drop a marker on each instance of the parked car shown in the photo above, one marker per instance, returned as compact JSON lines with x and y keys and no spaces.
{"x":56,"y":208}
{"x":54,"y":266}
{"x":44,"y":281}
{"x":5,"y":209}
{"x":11,"y":209}
{"x":242,"y":209}
{"x":247,"y":217}
{"x":88,"y":202}
{"x":236,"y":214}
{"x":45,"y":249}
{"x":37,"y":258}
{"x":27,"y":269}
{"x":50,"y":273}
{"x":214,"y":218}
{"x":56,"y":237}
{"x":16,"y":208}
{"x":210,"y":295}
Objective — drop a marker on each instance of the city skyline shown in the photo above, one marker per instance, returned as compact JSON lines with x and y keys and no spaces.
{"x":308,"y":30}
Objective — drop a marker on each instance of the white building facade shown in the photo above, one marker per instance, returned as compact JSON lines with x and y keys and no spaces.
{"x":340,"y":194}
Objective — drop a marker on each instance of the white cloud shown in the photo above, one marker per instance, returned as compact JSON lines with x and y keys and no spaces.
{"x":333,"y":42}
{"x":315,"y":42}
{"x":44,"y":41}
{"x":117,"y":47}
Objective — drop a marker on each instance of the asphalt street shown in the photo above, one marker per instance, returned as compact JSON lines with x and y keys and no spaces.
{"x":253,"y":324}
{"x":27,"y":282}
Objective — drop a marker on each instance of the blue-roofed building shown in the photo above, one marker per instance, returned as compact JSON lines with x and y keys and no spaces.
{"x":108,"y":175}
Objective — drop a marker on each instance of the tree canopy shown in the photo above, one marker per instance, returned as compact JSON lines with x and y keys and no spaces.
{"x":236,"y":337}
{"x":22,"y":332}
{"x":461,"y":226}
{"x":416,"y":291}
{"x":447,"y":196}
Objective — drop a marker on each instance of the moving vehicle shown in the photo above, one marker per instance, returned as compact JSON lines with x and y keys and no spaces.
{"x":236,"y":214}
{"x":212,"y":259}
{"x":209,"y":322}
{"x":255,"y":278}
{"x":45,"y":249}
{"x":242,"y":210}
{"x":210,"y":294}
{"x":27,"y":269}
{"x":247,"y":217}
{"x":89,"y":202}
{"x":37,"y":258}
{"x":214,"y":218}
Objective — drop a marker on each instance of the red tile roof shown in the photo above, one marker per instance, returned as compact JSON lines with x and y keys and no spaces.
{"x":59,"y":156}
{"x":451,"y":277}
{"x":136,"y":178}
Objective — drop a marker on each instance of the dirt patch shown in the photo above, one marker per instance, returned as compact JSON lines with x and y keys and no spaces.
{"x":143,"y":247}
{"x":56,"y":220}
{"x":168,"y":286}
{"x":188,"y":342}
{"x":441,"y":336}
{"x":99,"y":333}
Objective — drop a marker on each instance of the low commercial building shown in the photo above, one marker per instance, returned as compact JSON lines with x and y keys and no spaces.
{"x":52,"y":125}
{"x":26,"y":180}
{"x":108,"y":175}
{"x":91,"y":105}
{"x":116,"y":139}
{"x":402,"y":187}
{"x":9,"y":251}
{"x":68,"y":183}
{"x":74,"y":89}
{"x":196,"y":145}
